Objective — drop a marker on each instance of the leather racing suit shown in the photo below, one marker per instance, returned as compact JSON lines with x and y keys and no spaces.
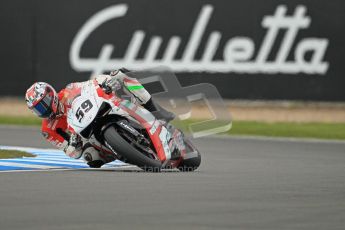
{"x":57,"y":132}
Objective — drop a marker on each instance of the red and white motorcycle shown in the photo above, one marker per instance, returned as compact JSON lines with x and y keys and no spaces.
{"x":131,"y":132}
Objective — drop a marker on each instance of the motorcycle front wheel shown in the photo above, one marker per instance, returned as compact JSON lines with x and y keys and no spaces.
{"x":128,"y":152}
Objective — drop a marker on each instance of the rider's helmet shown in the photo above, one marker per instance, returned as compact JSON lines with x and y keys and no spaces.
{"x":42,"y":99}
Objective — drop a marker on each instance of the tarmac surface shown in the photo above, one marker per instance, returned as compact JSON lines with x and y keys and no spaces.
{"x":241,"y":184}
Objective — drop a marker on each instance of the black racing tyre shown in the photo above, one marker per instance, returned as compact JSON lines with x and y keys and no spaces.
{"x":190,"y":164}
{"x":129,"y":152}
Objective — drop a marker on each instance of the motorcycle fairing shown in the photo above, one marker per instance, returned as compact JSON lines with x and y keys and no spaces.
{"x":84,"y":110}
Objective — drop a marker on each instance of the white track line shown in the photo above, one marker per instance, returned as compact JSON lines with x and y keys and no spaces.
{"x":67,"y":169}
{"x":48,"y":156}
{"x":37,"y":160}
{"x":54,"y":159}
{"x":28,"y":165}
{"x":58,"y":160}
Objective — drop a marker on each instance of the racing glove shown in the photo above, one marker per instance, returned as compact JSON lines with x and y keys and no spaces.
{"x":74,"y":148}
{"x":111,"y":84}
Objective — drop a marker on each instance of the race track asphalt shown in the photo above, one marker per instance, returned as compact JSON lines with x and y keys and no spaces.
{"x":241,"y":184}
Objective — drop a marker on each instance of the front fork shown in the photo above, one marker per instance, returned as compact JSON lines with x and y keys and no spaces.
{"x":158,"y":133}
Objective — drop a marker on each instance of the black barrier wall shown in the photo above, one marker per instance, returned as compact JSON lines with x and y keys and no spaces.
{"x":248,"y":49}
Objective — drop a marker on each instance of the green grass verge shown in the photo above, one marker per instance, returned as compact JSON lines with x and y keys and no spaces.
{"x":279,"y":129}
{"x":4,"y":154}
{"x":283,"y":129}
{"x":289,"y":129}
{"x":7,"y":120}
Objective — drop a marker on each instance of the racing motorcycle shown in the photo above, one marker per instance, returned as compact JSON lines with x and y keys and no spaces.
{"x":129,"y":131}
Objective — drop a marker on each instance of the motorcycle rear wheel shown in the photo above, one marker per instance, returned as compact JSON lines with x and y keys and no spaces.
{"x":191,"y":164}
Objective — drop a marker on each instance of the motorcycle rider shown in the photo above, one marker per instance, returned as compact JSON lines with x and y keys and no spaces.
{"x":42,"y":100}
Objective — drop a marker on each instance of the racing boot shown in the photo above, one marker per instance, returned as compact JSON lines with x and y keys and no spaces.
{"x":95,"y":158}
{"x":158,"y":111}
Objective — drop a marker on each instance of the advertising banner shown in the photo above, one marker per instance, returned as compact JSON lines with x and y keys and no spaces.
{"x":248,"y":49}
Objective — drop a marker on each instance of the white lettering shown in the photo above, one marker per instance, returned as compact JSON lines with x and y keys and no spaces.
{"x":318,"y":49}
{"x":238,"y":49}
{"x":237,"y":54}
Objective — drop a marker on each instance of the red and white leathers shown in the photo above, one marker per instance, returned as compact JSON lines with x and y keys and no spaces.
{"x":57,"y":132}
